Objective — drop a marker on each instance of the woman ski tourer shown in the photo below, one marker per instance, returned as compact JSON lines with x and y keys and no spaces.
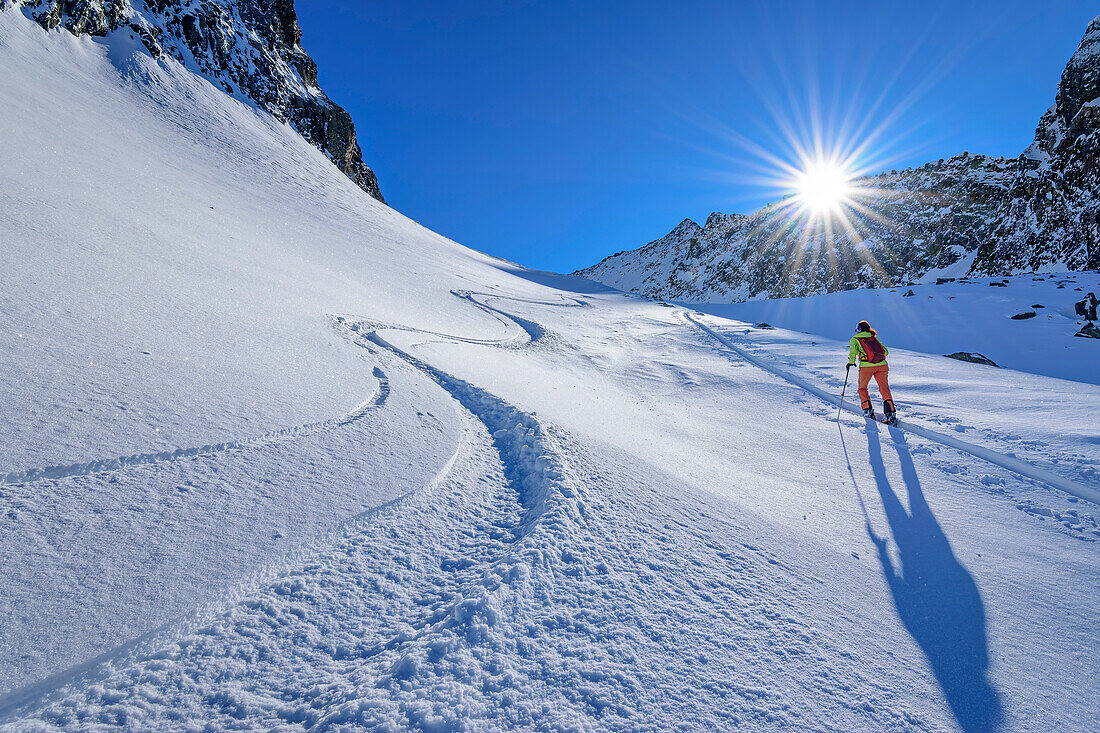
{"x":866,"y":350}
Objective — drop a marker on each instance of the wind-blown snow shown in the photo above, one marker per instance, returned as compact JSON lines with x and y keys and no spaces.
{"x":275,"y":456}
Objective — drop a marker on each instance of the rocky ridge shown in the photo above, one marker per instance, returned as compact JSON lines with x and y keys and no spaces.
{"x":970,"y":214}
{"x":909,"y":222}
{"x":1053,"y":214}
{"x":249,"y":48}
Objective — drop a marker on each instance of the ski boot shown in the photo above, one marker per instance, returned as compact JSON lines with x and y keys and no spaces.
{"x":868,"y":411}
{"x":890,"y":416}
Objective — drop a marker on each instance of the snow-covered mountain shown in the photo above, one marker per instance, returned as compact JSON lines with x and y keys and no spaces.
{"x":249,"y":48}
{"x":922,"y":219}
{"x":275,"y":457}
{"x":966,"y":214}
{"x":1052,"y":218}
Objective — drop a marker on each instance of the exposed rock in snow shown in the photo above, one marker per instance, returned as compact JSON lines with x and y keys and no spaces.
{"x":250,"y":48}
{"x":966,"y":214}
{"x":973,"y":357}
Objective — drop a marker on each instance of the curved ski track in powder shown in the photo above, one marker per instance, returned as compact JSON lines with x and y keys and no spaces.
{"x":525,"y":332}
{"x":533,"y":466}
{"x":23,"y":699}
{"x":998,"y":459}
{"x":533,"y":469}
{"x":381,"y":393}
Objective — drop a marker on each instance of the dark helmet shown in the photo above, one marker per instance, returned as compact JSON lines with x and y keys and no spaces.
{"x":864,"y":326}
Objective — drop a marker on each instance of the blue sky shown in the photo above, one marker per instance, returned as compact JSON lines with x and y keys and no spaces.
{"x":556,"y":133}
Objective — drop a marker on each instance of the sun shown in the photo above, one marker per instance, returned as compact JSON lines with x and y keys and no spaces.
{"x":823,"y":187}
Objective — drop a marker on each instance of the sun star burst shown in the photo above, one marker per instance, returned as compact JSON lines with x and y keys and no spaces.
{"x":823,"y":187}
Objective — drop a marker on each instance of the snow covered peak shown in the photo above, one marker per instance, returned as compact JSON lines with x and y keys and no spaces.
{"x":967,"y":213}
{"x":1079,"y":85}
{"x":686,"y":228}
{"x":911,"y":222}
{"x":718,"y":220}
{"x":249,"y":48}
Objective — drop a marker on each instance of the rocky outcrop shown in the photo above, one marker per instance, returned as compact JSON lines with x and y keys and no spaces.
{"x":250,"y":48}
{"x":973,"y":357}
{"x":1053,"y":216}
{"x":968,"y":214}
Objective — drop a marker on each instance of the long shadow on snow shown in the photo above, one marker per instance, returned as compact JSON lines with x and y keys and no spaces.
{"x":935,"y":596}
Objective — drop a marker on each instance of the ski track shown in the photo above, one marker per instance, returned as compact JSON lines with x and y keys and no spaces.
{"x":525,"y":332}
{"x":37,"y":694}
{"x":360,"y":629}
{"x":528,"y":332}
{"x":1015,"y":465}
{"x":517,"y":436}
{"x":533,"y":469}
{"x":376,"y":400}
{"x":365,"y":632}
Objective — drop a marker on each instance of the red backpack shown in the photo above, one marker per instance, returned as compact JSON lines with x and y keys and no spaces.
{"x":873,"y":348}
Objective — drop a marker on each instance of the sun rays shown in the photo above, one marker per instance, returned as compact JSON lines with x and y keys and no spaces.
{"x":832,"y":203}
{"x":824,"y":187}
{"x":821,"y":148}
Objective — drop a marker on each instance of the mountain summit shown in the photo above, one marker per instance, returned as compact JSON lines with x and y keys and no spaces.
{"x":966,"y":214}
{"x":249,"y":48}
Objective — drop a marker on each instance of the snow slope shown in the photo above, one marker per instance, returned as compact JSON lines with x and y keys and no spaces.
{"x":173,"y":264}
{"x":970,"y":316}
{"x":365,"y":478}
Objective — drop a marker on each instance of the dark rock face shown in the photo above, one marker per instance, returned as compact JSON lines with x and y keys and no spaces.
{"x":1053,"y":215}
{"x":81,"y":16}
{"x":1038,"y":211}
{"x":250,"y":48}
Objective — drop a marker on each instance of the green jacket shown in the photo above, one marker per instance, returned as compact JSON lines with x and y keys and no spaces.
{"x":856,"y":352}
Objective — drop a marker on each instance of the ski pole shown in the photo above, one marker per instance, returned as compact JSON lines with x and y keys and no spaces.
{"x":844,"y":389}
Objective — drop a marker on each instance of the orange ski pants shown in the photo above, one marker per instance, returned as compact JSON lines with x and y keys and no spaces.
{"x":879,"y":373}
